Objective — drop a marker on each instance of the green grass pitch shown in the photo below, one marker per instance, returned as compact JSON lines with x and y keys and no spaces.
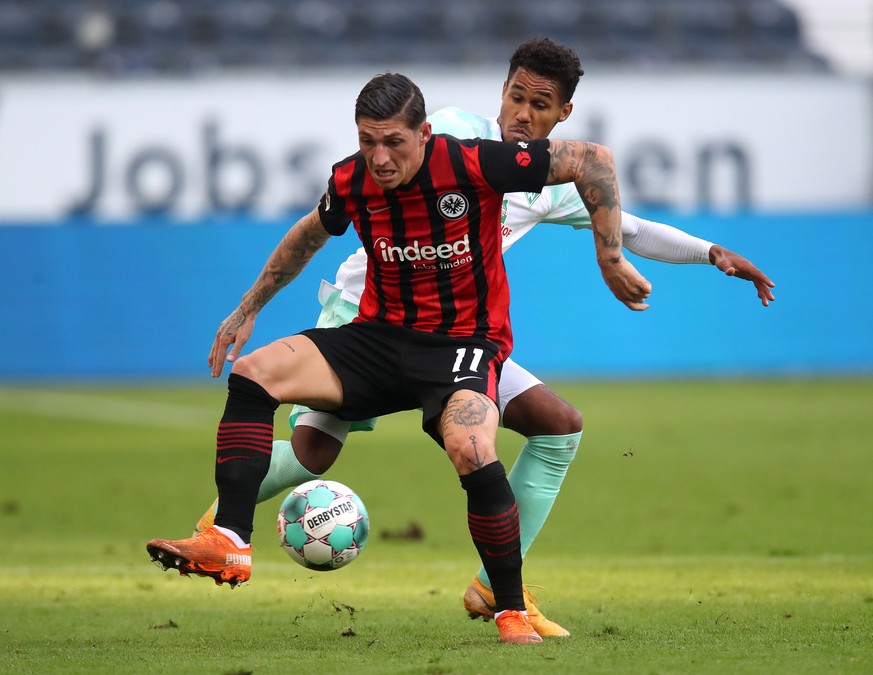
{"x":705,"y":527}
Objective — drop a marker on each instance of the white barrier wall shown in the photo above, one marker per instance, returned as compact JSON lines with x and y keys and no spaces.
{"x":265,"y":144}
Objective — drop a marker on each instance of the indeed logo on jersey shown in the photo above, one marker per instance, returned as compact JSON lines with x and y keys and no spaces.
{"x":440,"y":255}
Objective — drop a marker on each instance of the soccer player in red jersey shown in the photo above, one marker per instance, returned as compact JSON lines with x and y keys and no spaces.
{"x":433,"y":326}
{"x":537,"y":95}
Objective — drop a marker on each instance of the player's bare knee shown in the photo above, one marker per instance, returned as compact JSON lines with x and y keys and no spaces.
{"x":564,"y":421}
{"x":247,"y":366}
{"x":541,"y":412}
{"x":469,"y":452}
{"x":315,"y":450}
{"x":257,"y":370}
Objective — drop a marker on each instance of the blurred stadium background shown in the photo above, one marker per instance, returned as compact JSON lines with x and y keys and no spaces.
{"x":128,"y":37}
{"x":152,"y":152}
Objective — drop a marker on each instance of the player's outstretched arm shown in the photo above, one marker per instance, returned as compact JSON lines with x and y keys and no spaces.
{"x":590,"y":167}
{"x":735,"y":265}
{"x":286,"y":261}
{"x":666,"y":243}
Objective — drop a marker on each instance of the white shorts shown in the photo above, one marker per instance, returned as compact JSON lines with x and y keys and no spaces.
{"x":514,"y":380}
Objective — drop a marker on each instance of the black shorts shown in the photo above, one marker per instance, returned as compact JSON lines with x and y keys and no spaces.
{"x":385,"y":368}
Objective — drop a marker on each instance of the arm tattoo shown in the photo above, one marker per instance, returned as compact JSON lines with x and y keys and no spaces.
{"x":286,"y":262}
{"x":592,"y":173}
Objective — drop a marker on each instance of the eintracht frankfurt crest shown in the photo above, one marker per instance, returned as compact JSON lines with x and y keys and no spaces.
{"x":453,"y":205}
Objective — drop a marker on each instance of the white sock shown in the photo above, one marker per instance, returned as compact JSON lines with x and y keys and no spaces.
{"x":497,"y":614}
{"x":233,"y":536}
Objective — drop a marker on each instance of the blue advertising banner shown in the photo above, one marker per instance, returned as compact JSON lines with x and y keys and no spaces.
{"x":143,"y":301}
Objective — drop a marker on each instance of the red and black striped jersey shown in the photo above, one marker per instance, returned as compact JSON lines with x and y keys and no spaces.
{"x":434,"y":260}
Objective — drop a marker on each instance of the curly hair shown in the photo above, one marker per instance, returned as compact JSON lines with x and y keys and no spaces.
{"x":549,"y":59}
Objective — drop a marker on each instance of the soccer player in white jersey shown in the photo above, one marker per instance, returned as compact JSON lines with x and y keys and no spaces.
{"x":536,"y":96}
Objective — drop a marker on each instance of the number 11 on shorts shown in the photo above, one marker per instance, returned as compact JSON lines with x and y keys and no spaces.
{"x":474,"y":361}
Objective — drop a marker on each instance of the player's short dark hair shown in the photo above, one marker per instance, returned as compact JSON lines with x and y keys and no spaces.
{"x":391,"y":94}
{"x":549,"y":59}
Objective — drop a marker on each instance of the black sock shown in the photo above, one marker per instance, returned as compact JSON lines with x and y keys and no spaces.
{"x":244,"y":446}
{"x":492,"y":516}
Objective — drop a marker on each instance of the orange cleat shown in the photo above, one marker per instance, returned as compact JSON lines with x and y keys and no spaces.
{"x":207,"y":554}
{"x":479,"y":602}
{"x":515,"y":628}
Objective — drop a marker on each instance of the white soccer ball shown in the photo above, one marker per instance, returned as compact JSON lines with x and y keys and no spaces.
{"x":323,"y":525}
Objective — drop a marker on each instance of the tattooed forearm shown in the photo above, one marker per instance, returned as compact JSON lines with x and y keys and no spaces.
{"x":590,"y":167}
{"x":597,"y":193}
{"x":286,"y":262}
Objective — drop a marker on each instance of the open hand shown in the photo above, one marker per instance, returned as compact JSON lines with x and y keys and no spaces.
{"x":234,"y":330}
{"x":735,"y":265}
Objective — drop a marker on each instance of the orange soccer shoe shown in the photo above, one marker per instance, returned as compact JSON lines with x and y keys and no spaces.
{"x":515,"y":628}
{"x":207,"y":554}
{"x":479,"y":602}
